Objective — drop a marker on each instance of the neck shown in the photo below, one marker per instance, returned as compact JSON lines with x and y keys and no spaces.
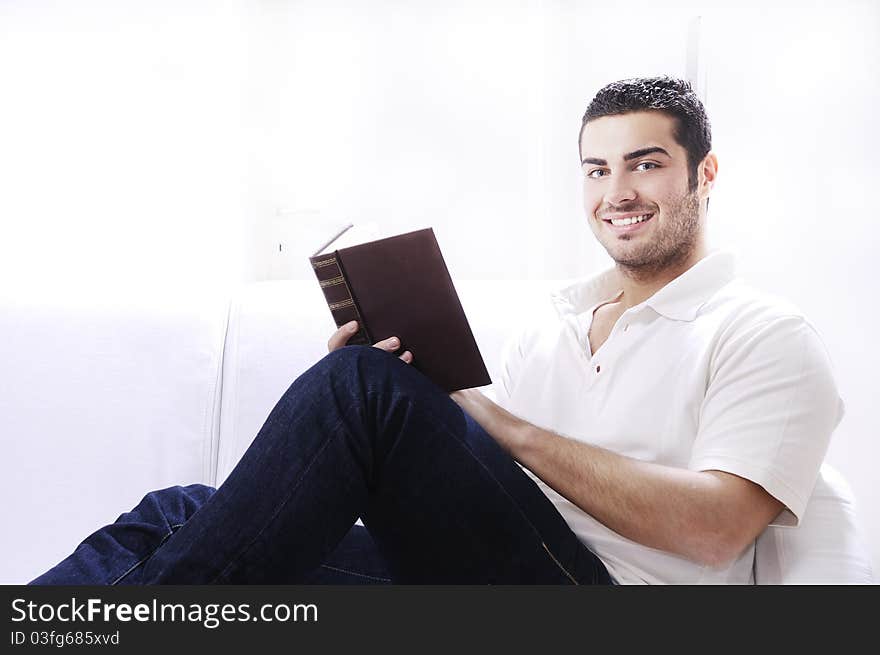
{"x":642,"y":282}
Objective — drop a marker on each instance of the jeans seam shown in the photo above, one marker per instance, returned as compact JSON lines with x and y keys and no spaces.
{"x":135,"y":565}
{"x":360,"y":575}
{"x":504,"y":491}
{"x":559,"y":564}
{"x":149,"y":555}
{"x":280,"y":506}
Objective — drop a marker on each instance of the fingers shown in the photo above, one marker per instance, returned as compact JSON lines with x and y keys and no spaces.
{"x":347,"y":331}
{"x":391,"y":344}
{"x":342,"y":335}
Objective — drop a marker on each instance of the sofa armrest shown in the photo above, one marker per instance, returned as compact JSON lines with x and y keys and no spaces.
{"x":103,"y":397}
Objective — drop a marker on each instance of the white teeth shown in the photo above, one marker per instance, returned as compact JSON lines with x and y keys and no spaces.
{"x":630,"y":221}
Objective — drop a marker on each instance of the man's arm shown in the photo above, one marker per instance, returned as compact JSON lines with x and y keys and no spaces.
{"x":707,"y":517}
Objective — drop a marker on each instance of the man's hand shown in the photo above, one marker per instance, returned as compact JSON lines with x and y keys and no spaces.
{"x":501,"y":425}
{"x":347,"y":331}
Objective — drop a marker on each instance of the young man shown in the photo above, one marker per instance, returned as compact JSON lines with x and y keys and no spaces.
{"x":649,"y":428}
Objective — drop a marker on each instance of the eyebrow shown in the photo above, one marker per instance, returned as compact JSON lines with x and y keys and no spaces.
{"x":635,"y":154}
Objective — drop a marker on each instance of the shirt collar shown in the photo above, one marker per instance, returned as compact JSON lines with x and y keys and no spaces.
{"x":679,"y":300}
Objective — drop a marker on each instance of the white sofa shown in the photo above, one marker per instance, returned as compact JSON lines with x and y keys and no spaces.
{"x":105,"y":395}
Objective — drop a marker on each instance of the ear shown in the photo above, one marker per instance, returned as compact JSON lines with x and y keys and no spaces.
{"x":707,"y":172}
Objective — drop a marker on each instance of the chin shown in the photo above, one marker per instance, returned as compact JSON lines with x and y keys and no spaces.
{"x":621,"y":249}
{"x":635,"y":258}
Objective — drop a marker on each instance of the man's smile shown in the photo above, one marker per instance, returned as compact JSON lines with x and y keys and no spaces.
{"x":626,"y":223}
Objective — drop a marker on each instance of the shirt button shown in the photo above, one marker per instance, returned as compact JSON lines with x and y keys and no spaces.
{"x":598,"y":368}
{"x":626,"y":327}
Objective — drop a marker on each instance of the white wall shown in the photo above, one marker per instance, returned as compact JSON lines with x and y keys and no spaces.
{"x":147,"y":143}
{"x":120,"y":142}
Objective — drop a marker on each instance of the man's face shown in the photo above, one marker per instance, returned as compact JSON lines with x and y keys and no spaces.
{"x":635,"y":170}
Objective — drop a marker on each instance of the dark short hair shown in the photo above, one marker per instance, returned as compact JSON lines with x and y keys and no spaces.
{"x":666,"y":94}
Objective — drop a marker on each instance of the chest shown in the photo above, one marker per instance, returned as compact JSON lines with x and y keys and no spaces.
{"x":604,"y":319}
{"x":639,"y":396}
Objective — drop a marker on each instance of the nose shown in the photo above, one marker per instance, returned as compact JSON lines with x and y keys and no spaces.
{"x":620,"y":191}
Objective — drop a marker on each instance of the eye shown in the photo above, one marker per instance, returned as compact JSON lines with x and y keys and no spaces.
{"x":593,"y":173}
{"x":647,"y":163}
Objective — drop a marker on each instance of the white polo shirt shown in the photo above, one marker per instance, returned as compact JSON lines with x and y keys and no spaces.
{"x":705,"y":374}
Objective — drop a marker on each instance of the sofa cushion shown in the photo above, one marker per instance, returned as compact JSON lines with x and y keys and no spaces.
{"x":277,"y":329}
{"x":826,"y":548}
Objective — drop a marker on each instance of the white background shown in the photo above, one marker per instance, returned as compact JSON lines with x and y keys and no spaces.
{"x":148,"y":143}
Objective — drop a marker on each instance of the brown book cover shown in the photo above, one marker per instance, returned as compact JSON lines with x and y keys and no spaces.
{"x":400,"y":286}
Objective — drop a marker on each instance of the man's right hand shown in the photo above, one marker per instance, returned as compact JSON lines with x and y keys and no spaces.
{"x":347,"y":331}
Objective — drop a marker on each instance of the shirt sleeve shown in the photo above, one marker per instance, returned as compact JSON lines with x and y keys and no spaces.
{"x":769,"y":411}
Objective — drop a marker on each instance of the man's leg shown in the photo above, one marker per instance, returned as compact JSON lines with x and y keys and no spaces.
{"x":363,"y":434}
{"x":111,"y":554}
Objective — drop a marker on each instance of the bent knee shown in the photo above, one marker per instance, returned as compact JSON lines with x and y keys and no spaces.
{"x":363,"y":368}
{"x":175,"y":504}
{"x":364,"y":360}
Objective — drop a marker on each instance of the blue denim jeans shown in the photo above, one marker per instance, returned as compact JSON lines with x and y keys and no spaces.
{"x":360,"y":434}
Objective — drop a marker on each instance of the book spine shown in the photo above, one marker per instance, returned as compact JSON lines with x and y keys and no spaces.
{"x":337,"y":293}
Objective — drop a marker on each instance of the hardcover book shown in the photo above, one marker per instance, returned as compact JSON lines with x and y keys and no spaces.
{"x":400,"y":286}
